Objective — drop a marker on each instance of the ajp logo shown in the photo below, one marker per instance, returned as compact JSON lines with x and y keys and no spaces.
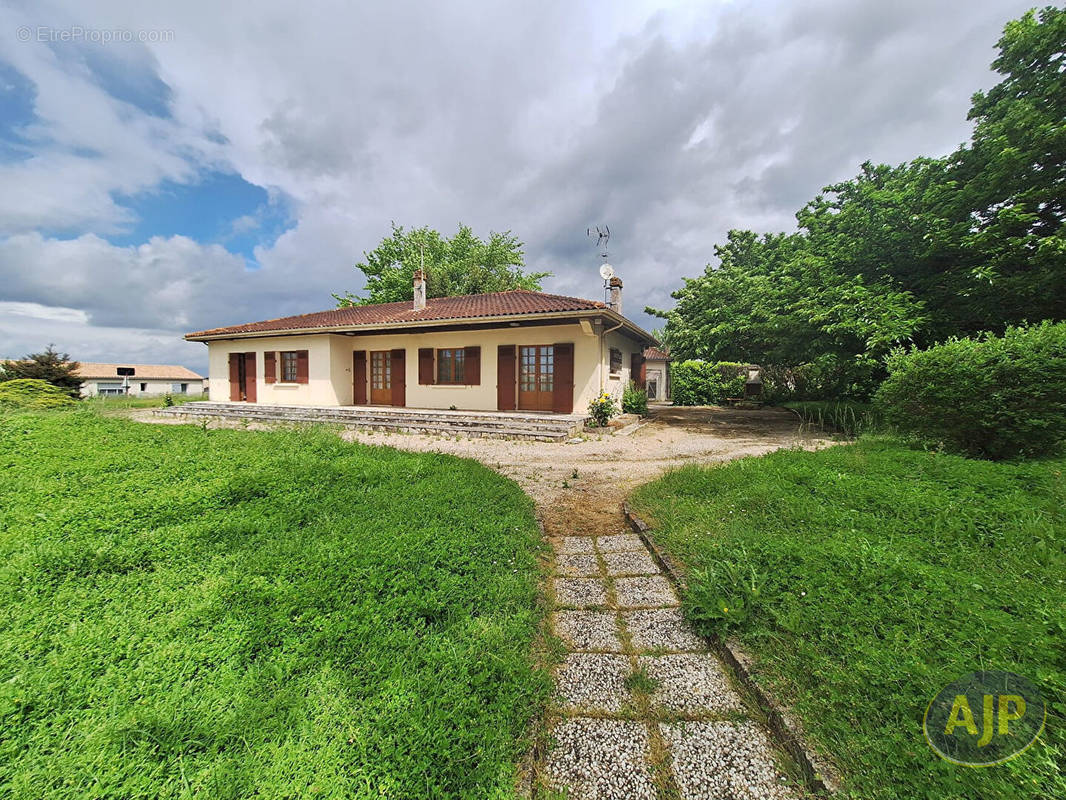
{"x":984,"y":718}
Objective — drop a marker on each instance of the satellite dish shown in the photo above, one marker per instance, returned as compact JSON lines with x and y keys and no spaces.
{"x":606,"y":272}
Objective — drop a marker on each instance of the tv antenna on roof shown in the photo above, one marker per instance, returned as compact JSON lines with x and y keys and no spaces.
{"x":603,"y":235}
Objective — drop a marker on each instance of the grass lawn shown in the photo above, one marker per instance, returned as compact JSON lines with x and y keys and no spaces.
{"x":865,"y":578}
{"x":122,"y":403}
{"x":233,"y":614}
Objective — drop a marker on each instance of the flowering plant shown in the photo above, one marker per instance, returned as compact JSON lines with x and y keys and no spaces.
{"x":602,"y":408}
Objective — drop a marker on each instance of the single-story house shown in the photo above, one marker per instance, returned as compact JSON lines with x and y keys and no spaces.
{"x":137,"y":379}
{"x":657,"y":371}
{"x":513,"y":351}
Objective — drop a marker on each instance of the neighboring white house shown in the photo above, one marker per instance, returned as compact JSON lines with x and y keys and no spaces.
{"x":138,"y":379}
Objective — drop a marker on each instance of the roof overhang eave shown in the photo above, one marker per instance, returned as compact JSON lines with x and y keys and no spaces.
{"x":639,"y":332}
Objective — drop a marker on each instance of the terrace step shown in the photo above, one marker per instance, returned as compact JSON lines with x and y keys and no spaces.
{"x":379,"y":415}
{"x":500,"y":425}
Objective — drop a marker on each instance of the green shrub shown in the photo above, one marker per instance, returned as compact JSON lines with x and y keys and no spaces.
{"x":602,"y":408}
{"x":634,"y":400}
{"x":992,"y":397}
{"x":33,"y":393}
{"x":168,"y":400}
{"x":703,"y":383}
{"x":696,"y":383}
{"x":734,"y":386}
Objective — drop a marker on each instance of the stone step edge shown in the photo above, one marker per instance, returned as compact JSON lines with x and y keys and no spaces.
{"x":553,"y":423}
{"x":470,"y":431}
{"x":371,"y":419}
{"x":399,"y":411}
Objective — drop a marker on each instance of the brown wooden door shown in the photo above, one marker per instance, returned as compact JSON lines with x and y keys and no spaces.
{"x":536,"y":377}
{"x":399,"y":377}
{"x":249,"y":377}
{"x":242,"y":377}
{"x":381,"y":377}
{"x":505,"y":377}
{"x":638,"y":370}
{"x":563,"y":394}
{"x":359,"y":377}
{"x":236,"y":367}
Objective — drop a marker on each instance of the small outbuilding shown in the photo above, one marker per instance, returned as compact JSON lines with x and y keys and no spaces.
{"x":657,"y":373}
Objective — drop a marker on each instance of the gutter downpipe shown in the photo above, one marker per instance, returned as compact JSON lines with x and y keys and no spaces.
{"x":603,"y":341}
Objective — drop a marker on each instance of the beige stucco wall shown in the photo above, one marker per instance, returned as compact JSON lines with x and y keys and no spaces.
{"x":318,"y":391}
{"x":615,"y":383}
{"x":330,"y":365}
{"x":155,"y":386}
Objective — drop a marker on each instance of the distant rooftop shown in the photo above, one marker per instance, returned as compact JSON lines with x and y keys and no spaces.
{"x":94,"y":369}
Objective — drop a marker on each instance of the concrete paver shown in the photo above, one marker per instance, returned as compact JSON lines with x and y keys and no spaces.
{"x":599,"y":759}
{"x":588,"y":630}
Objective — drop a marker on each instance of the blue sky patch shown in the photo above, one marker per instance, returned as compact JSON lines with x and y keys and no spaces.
{"x":222,"y":208}
{"x":17,"y":96}
{"x":127,"y":74}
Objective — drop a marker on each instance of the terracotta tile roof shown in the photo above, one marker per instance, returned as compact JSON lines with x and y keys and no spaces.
{"x":93,"y":369}
{"x":655,"y":354}
{"x":469,"y":306}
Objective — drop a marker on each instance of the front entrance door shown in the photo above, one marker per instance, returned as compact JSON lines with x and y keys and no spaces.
{"x":536,"y":377}
{"x":242,"y":377}
{"x":381,"y":377}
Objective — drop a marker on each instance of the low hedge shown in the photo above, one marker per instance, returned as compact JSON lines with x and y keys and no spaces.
{"x":703,"y":383}
{"x":994,"y":397}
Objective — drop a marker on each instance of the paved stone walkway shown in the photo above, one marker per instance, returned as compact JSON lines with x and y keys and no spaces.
{"x":642,"y":710}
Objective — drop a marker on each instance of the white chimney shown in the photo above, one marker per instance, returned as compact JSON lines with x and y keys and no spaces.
{"x":420,"y":290}
{"x":616,"y":295}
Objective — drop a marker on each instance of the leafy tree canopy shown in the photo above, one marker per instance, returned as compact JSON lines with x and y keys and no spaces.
{"x":51,"y":366}
{"x":916,"y":253}
{"x":462,"y":264}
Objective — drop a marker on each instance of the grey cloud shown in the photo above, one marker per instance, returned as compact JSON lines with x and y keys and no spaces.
{"x":542,"y":119}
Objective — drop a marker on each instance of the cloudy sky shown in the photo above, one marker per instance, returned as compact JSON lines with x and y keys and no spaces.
{"x":165,"y":169}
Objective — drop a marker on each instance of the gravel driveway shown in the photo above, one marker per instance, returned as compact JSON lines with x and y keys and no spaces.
{"x":609,"y":467}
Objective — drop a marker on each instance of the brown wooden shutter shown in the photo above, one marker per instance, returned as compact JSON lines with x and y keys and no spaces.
{"x":235,"y":376}
{"x":425,"y":366}
{"x":399,"y":377}
{"x":249,"y":377}
{"x":472,"y":366}
{"x":638,"y":370}
{"x":506,"y":392}
{"x":302,"y":368}
{"x":270,"y":366}
{"x":359,"y":377}
{"x":563,"y":393}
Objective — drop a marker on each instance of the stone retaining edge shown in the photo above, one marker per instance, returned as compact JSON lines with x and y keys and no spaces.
{"x":783,"y":724}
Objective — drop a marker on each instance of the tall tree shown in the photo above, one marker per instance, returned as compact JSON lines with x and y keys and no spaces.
{"x":51,"y":366}
{"x":1011,"y":179}
{"x":772,"y":301}
{"x":463,"y":264}
{"x":936,"y":247}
